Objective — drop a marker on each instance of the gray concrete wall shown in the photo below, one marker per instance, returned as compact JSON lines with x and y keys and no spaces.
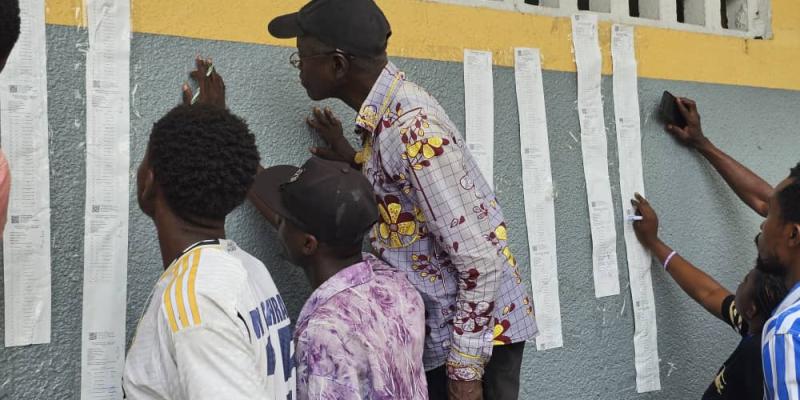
{"x":701,"y":218}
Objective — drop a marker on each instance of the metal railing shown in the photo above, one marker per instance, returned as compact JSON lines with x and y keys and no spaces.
{"x":739,"y":18}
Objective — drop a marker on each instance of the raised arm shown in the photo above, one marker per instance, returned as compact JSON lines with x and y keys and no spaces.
{"x":696,"y":283}
{"x":753,"y":190}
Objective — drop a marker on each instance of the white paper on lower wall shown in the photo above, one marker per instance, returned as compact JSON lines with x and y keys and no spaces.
{"x":107,"y":187}
{"x":479,"y":108}
{"x":629,"y":144}
{"x":26,"y":242}
{"x":595,"y":155}
{"x":537,"y":183}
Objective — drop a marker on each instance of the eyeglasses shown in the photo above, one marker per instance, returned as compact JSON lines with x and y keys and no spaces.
{"x":297,"y":61}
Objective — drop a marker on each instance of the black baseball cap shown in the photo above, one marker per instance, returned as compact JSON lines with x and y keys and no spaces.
{"x":327,"y":199}
{"x":356,"y":27}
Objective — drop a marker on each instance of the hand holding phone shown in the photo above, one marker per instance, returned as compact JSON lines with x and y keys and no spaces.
{"x":669,"y":111}
{"x":683,"y":120}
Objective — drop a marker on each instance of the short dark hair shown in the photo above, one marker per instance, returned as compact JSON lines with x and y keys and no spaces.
{"x":789,"y":197}
{"x":204,"y":158}
{"x":9,"y":25}
{"x":770,"y":289}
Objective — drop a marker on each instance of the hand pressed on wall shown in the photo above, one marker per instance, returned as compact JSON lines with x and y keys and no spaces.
{"x":690,"y":135}
{"x":330,"y":130}
{"x":647,"y":228}
{"x":211,"y":86}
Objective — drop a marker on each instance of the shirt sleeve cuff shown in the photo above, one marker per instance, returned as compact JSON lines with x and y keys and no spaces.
{"x":464,"y":372}
{"x":464,"y":367}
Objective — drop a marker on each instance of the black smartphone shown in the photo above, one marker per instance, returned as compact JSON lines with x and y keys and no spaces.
{"x":670,"y":113}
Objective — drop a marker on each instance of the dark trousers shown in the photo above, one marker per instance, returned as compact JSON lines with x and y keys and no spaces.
{"x":500,"y":378}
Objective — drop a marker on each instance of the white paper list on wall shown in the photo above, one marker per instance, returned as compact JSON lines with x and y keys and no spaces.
{"x":595,"y":155}
{"x":539,"y":199}
{"x":629,"y":144}
{"x":26,"y":243}
{"x":479,"y":105}
{"x":107,"y":187}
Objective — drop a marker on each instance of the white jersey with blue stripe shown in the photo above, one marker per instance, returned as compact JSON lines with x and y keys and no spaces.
{"x":780,"y":350}
{"x":215,"y":328}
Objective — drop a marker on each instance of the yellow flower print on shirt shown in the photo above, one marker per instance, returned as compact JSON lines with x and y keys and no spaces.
{"x":501,"y":233}
{"x":509,"y":257}
{"x":415,"y":128}
{"x":421,"y":264}
{"x":396,"y":227}
{"x":428,"y":147}
{"x":528,"y":306}
{"x":499,"y":338}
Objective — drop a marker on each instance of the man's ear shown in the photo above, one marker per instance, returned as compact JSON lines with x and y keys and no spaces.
{"x":148,"y":191}
{"x":310,"y":244}
{"x":750,"y":312}
{"x":341,"y":65}
{"x":794,"y":235}
{"x":149,"y":187}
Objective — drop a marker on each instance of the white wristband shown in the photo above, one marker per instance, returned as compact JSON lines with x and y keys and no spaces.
{"x":669,"y":258}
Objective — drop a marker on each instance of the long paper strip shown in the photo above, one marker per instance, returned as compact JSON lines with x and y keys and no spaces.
{"x":106,"y":215}
{"x":595,"y":155}
{"x":479,"y":104}
{"x":537,"y":182}
{"x":629,"y":144}
{"x":26,"y":243}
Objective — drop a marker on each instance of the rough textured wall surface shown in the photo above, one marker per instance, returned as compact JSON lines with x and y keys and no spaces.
{"x":700,"y":217}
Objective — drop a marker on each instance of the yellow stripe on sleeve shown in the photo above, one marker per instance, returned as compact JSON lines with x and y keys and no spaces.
{"x":179,"y":292}
{"x":192,"y":296}
{"x":168,"y":302}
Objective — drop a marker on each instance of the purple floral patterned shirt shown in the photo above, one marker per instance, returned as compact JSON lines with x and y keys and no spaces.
{"x":360,"y":336}
{"x":442,"y":225}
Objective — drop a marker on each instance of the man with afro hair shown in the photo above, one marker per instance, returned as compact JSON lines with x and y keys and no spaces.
{"x":216,"y":326}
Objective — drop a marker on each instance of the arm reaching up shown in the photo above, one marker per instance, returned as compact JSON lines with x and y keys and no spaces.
{"x":753,"y":190}
{"x":696,"y":283}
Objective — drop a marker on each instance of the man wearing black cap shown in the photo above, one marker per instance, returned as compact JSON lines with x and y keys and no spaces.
{"x":440,"y":222}
{"x":361,"y":333}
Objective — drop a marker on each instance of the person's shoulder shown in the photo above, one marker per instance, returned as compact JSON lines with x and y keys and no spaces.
{"x":389,"y":290}
{"x":216,"y":270}
{"x":326,"y":328}
{"x":254,"y":267}
{"x":787,"y":321}
{"x":392,"y":278}
{"x":394,"y":293}
{"x":750,"y":346}
{"x":203,"y":283}
{"x":346,"y":312}
{"x":257,"y":273}
{"x":413,"y":92}
{"x":412,"y":97}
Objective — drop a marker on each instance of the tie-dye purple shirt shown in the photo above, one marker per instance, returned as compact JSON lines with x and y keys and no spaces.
{"x":361,"y":335}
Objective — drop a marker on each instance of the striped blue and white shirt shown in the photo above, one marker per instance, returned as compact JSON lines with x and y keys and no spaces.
{"x":780,"y":349}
